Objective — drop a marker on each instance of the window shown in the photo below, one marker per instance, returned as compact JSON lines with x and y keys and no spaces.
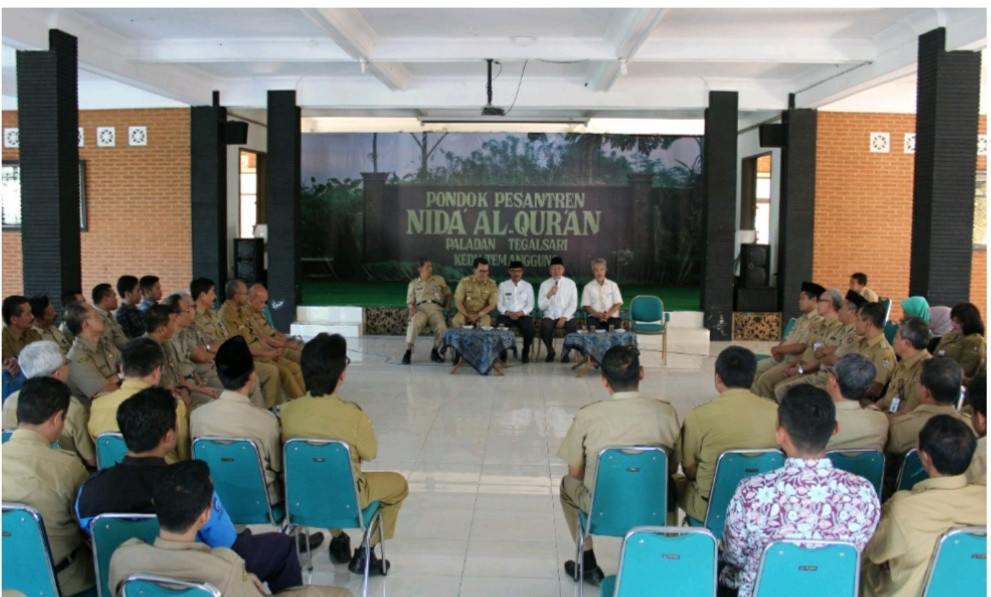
{"x":248,"y":174}
{"x":10,"y":185}
{"x":981,"y":210}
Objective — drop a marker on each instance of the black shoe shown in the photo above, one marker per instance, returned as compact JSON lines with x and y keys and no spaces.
{"x":565,"y":357}
{"x":375,"y":567}
{"x":526,"y":358}
{"x":593,"y":575}
{"x":502,"y":358}
{"x":407,"y":356}
{"x":435,"y":356}
{"x":315,"y":540}
{"x":550,"y":357}
{"x":340,"y":548}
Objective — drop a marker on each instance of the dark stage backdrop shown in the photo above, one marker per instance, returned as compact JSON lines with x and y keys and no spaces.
{"x":376,"y":202}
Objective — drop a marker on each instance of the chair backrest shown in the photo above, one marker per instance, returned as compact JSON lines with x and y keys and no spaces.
{"x":890,"y":329}
{"x":646,"y":308}
{"x":6,"y":434}
{"x":959,"y":563}
{"x":788,"y":327}
{"x":680,"y":559}
{"x":27,"y":558}
{"x":868,"y":464}
{"x":886,"y":303}
{"x":814,"y":568}
{"x":147,"y":585}
{"x":911,"y":471}
{"x":320,"y":485}
{"x":238,"y":478}
{"x":732,"y":467}
{"x":110,"y":449}
{"x":631,"y":489}
{"x":108,"y":532}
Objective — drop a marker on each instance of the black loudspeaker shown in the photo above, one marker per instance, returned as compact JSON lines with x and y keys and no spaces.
{"x":772,"y":135}
{"x":235,"y":132}
{"x":756,"y":300}
{"x":249,"y":257}
{"x":753,"y":266}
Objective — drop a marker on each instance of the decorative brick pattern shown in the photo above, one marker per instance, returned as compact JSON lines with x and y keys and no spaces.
{"x":756,"y":326}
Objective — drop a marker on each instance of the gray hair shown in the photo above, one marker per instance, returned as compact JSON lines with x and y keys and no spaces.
{"x":599,"y":261}
{"x":835,"y":297}
{"x":40,"y":359}
{"x":855,"y":374}
{"x":916,"y":331}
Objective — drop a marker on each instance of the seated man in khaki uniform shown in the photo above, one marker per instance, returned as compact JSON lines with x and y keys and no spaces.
{"x":858,"y":284}
{"x":734,"y":420}
{"x":910,"y":345}
{"x":427,"y":298}
{"x":47,"y":479}
{"x":859,"y":428}
{"x":874,"y":346}
{"x":183,"y":497}
{"x":210,"y":334}
{"x":143,"y":363}
{"x":627,"y":418}
{"x":323,"y":414}
{"x":268,"y":335}
{"x":476,"y":296}
{"x":939,"y":388}
{"x":234,"y":314}
{"x":44,"y":359}
{"x":17,"y":332}
{"x":44,"y":322}
{"x":181,"y":346}
{"x":793,"y":345}
{"x":105,"y":303}
{"x":92,"y":358}
{"x":894,"y":561}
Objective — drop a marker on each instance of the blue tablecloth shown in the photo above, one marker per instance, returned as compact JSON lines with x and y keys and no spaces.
{"x":479,"y":348}
{"x":594,"y":345}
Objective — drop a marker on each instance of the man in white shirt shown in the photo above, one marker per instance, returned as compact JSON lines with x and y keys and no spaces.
{"x":601,"y":298}
{"x":516,"y":305}
{"x":558,"y":300}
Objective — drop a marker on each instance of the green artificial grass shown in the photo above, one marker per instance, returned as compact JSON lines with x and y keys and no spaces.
{"x":393,"y":294}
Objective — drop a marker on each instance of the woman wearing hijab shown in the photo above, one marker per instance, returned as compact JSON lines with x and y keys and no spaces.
{"x":939,"y":325}
{"x":965,"y":343}
{"x":915,"y":306}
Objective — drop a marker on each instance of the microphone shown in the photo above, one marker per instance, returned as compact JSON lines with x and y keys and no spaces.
{"x":555,"y":282}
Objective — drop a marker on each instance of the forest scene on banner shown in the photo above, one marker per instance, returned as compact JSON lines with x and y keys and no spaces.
{"x":376,"y":202}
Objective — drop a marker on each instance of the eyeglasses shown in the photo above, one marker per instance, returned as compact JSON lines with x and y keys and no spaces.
{"x":483,"y":271}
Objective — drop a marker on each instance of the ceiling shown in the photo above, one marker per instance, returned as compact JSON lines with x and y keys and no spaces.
{"x":551,"y":63}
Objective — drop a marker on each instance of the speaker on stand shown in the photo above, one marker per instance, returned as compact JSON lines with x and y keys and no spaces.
{"x":754,"y":294}
{"x":249,"y":256}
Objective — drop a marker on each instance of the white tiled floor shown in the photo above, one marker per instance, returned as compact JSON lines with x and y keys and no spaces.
{"x":483,"y":517}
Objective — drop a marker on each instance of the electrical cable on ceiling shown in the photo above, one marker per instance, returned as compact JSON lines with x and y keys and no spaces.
{"x":518,"y":85}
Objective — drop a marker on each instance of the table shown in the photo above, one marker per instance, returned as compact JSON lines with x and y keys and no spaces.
{"x":479,"y":348}
{"x":595,"y":344}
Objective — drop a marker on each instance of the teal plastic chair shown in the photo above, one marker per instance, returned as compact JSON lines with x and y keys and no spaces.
{"x":27,"y":557}
{"x":732,"y":467}
{"x":147,"y":585}
{"x":110,"y":449}
{"x":108,"y":532}
{"x":647,"y":316}
{"x":886,"y":303}
{"x":809,"y":568}
{"x":890,"y":329}
{"x":239,"y":479}
{"x":631,"y":490}
{"x":868,"y":464}
{"x":911,"y":471}
{"x":6,"y":434}
{"x":664,"y":561}
{"x":959,"y":563}
{"x":322,"y":492}
{"x":788,"y":327}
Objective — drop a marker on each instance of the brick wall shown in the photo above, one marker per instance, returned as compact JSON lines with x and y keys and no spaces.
{"x":137,"y":201}
{"x":863,"y":217}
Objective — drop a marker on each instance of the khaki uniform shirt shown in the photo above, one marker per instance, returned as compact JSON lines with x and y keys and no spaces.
{"x":911,"y":521}
{"x":183,"y":342}
{"x":209,"y":326}
{"x":978,"y":471}
{"x":103,"y":417}
{"x":74,"y":436}
{"x":90,"y":364}
{"x":879,"y":352}
{"x":625,"y":419}
{"x":47,"y":479}
{"x":12,"y":343}
{"x":869,"y":294}
{"x":237,"y":322}
{"x":55,"y":336}
{"x":197,"y":562}
{"x":905,"y":382}
{"x":860,"y":428}
{"x":904,"y":432}
{"x":805,"y":327}
{"x":113,"y":331}
{"x":171,"y":376}
{"x":233,"y":415}
{"x":969,"y":350}
{"x":329,"y":417}
{"x":64,"y":328}
{"x":830,"y":332}
{"x":476,"y":295}
{"x":434,"y":290}
{"x":734,"y":420}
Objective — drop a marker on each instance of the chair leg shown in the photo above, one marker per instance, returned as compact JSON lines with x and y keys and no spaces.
{"x":580,"y":561}
{"x":664,"y":347}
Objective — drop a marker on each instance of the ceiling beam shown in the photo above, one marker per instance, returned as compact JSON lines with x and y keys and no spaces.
{"x":626,"y":36}
{"x":355,"y":36}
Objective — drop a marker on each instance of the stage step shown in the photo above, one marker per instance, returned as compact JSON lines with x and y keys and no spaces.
{"x":346,"y":321}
